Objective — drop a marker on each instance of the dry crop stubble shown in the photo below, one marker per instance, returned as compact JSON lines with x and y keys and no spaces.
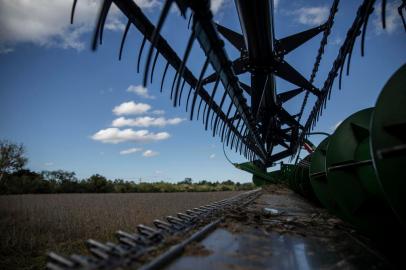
{"x":31,"y":225}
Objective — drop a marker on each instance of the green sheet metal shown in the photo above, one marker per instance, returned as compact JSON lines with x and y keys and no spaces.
{"x":352,"y":179}
{"x":261,"y":177}
{"x":388,"y":142}
{"x":319,"y":181}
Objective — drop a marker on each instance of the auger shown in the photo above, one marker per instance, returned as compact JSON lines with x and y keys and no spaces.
{"x":357,"y":172}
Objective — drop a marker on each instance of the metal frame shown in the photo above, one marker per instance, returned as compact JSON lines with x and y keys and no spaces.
{"x":256,"y":127}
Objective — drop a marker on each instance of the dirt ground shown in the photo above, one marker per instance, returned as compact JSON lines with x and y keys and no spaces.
{"x":31,"y":225}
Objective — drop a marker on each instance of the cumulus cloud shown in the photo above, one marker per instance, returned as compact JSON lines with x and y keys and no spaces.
{"x":216,"y":5}
{"x":131,"y":107}
{"x":140,"y":91}
{"x":146,"y":121}
{"x":311,"y":16}
{"x":115,"y":135}
{"x":130,"y":151}
{"x":150,"y":153}
{"x":393,"y":20}
{"x":212,"y":156}
{"x":47,"y":22}
{"x":158,"y":112}
{"x":148,"y":4}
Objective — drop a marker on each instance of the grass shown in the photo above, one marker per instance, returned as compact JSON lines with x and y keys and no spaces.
{"x":32,"y":225}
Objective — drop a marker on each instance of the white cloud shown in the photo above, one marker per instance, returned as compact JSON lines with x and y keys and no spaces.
{"x":148,"y":4}
{"x":115,"y":135}
{"x":393,"y":20}
{"x":131,"y":107}
{"x":140,"y":91}
{"x":130,"y":151}
{"x":146,"y":121}
{"x":336,"y":41}
{"x":47,"y":22}
{"x":48,"y":164}
{"x":216,"y":5}
{"x":311,"y":16}
{"x":212,"y":156}
{"x":158,"y":112}
{"x":150,"y":153}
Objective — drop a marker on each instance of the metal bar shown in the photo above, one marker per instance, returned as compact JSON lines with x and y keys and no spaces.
{"x":178,"y":249}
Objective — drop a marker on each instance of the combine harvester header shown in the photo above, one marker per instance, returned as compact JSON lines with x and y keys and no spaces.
{"x":357,"y":173}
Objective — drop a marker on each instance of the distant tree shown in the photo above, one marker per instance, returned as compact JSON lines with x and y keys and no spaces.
{"x":203,"y":182}
{"x":187,"y":181}
{"x":24,"y":181}
{"x":12,"y":157}
{"x":228,"y":182}
{"x":64,"y":181}
{"x":99,"y":183}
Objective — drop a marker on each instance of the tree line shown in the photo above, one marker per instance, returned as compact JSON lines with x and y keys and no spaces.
{"x":59,"y":181}
{"x":14,"y":179}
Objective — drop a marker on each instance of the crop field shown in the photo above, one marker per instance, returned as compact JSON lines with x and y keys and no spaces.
{"x":31,"y":225}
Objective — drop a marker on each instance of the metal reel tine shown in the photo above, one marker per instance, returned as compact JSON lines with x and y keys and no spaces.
{"x":204,"y":112}
{"x":199,"y":85}
{"x":238,"y":138}
{"x":198,"y":109}
{"x":140,"y":53}
{"x":213,"y":93}
{"x":181,"y":91}
{"x":403,"y":5}
{"x":349,"y":58}
{"x":190,"y":19}
{"x":103,"y":13}
{"x":364,"y":28}
{"x":341,"y":75}
{"x":211,"y":121}
{"x":173,"y":82}
{"x":72,"y":13}
{"x":231,"y":123}
{"x":246,"y":131}
{"x":228,"y":114}
{"x":154,"y":64}
{"x":221,"y":106}
{"x":155,"y":36}
{"x":383,"y":13}
{"x":163,"y":76}
{"x":188,"y":96}
{"x":127,"y":27}
{"x":183,"y":64}
{"x":222,"y":124}
{"x":234,"y":133}
{"x":107,"y":4}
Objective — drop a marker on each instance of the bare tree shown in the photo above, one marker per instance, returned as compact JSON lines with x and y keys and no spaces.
{"x":11,"y":157}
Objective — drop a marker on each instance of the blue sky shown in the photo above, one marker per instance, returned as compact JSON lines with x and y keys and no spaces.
{"x":86,"y":112}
